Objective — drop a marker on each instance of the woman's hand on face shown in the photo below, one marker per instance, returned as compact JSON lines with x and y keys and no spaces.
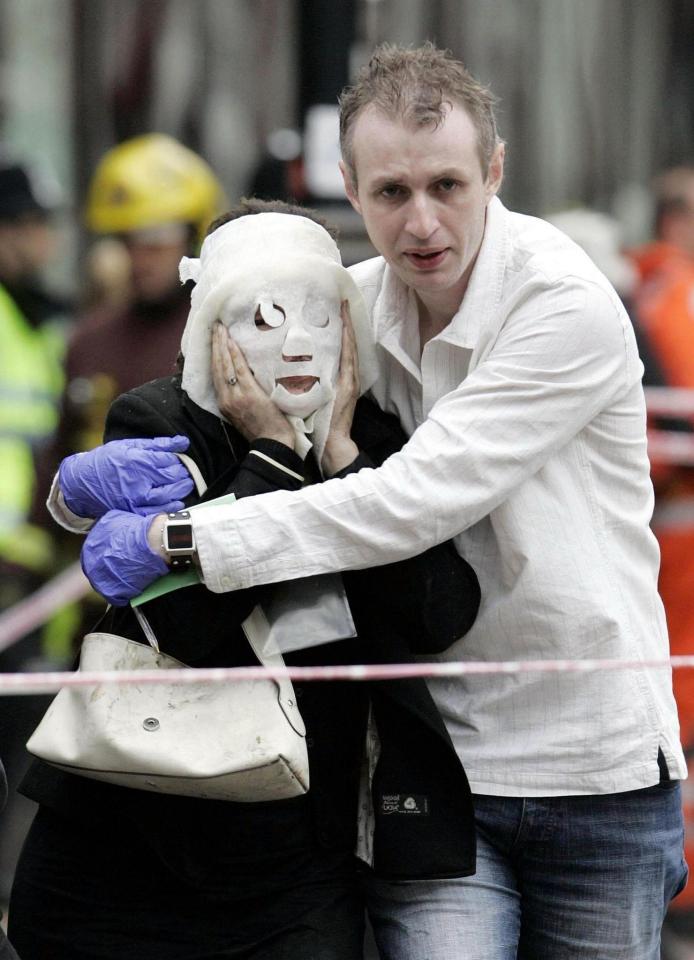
{"x":340,"y":450}
{"x":241,"y":400}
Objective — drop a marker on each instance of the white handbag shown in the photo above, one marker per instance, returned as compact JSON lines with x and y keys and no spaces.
{"x":241,"y":740}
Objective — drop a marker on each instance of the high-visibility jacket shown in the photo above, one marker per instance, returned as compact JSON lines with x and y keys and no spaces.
{"x":31,"y":381}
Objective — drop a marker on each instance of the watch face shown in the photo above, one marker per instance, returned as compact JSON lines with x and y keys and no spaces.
{"x":179,"y":536}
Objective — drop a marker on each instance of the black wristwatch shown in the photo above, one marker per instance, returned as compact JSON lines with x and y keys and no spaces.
{"x":178,"y":540}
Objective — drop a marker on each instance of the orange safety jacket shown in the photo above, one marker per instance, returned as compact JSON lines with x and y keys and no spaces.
{"x":664,"y":309}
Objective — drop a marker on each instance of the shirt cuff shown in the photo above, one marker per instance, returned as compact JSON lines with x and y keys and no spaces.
{"x":62,"y":514}
{"x":218,"y":555}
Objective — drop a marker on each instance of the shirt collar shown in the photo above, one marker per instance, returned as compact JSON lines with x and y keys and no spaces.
{"x":484,"y":289}
{"x":397,"y":323}
{"x":395,"y":309}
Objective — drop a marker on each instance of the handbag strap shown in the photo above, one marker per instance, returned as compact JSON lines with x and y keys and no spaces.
{"x":258,"y":634}
{"x":146,"y":628}
{"x":194,"y":470}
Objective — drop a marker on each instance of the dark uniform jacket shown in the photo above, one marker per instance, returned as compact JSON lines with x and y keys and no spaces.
{"x":424,"y":820}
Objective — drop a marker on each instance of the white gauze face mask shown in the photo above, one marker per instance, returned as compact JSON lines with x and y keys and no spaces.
{"x":289,"y":329}
{"x":276,"y":282}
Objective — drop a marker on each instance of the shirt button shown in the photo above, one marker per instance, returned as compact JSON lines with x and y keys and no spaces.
{"x":226,"y":582}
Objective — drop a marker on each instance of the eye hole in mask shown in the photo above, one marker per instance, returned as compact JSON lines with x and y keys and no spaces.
{"x":325,"y":323}
{"x":269,"y":316}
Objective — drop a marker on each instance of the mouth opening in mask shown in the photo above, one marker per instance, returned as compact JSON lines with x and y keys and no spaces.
{"x":297,"y":384}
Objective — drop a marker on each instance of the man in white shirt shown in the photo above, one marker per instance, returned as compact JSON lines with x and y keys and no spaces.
{"x":511,"y":363}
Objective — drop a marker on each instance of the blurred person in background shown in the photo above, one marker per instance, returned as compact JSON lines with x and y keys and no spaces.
{"x":663,"y":298}
{"x":149,"y":203}
{"x":31,"y":376}
{"x":156,"y":197}
{"x":32,"y":321}
{"x":664,"y":312}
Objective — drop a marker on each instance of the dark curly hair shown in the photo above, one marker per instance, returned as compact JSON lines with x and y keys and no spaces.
{"x":250,"y":205}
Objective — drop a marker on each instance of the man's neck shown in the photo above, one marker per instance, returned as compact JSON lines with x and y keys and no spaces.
{"x":437,"y":310}
{"x":434,"y":317}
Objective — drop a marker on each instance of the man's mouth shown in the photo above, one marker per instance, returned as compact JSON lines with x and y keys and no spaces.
{"x":297,"y":384}
{"x":426,"y":259}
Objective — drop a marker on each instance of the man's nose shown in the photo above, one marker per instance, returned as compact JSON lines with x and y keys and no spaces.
{"x":422,"y":220}
{"x":298,"y":344}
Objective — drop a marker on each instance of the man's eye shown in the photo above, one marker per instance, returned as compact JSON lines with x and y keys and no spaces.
{"x":268,"y":316}
{"x":447,"y":185}
{"x":391,"y":191}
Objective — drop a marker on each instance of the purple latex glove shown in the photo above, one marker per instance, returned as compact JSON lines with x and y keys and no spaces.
{"x":116,"y":558}
{"x":140,"y":476}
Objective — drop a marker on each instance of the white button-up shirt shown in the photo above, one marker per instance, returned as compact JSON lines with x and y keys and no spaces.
{"x":528,"y":445}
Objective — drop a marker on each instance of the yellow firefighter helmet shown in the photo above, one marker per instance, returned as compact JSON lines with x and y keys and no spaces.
{"x":150,"y":181}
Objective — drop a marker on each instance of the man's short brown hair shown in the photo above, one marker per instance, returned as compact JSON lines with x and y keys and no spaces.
{"x":417,"y":86}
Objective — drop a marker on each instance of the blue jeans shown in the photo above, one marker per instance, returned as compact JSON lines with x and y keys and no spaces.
{"x":558,"y":878}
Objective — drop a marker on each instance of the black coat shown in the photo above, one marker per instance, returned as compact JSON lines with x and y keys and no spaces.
{"x":424,"y":819}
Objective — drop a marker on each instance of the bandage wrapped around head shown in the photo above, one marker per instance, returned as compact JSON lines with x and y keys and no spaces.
{"x":277,"y":282}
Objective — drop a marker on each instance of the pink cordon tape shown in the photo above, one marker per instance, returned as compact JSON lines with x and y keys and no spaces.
{"x":30,"y":613}
{"x":35,"y":683}
{"x":670,"y":446}
{"x":670,"y":401}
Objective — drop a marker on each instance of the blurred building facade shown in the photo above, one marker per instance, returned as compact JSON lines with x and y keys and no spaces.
{"x":595,"y":97}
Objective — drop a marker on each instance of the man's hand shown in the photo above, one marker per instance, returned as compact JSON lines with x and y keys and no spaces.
{"x":117,"y":559}
{"x":241,"y":400}
{"x":340,"y":450}
{"x":139,"y":476}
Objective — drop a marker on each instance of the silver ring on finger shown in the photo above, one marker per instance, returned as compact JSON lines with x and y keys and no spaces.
{"x":232,"y":381}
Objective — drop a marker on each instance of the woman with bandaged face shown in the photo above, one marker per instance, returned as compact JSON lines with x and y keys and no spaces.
{"x":276,"y":350}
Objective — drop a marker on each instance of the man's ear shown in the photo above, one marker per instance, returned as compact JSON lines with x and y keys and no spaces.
{"x":496,"y":171}
{"x":350,"y":188}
